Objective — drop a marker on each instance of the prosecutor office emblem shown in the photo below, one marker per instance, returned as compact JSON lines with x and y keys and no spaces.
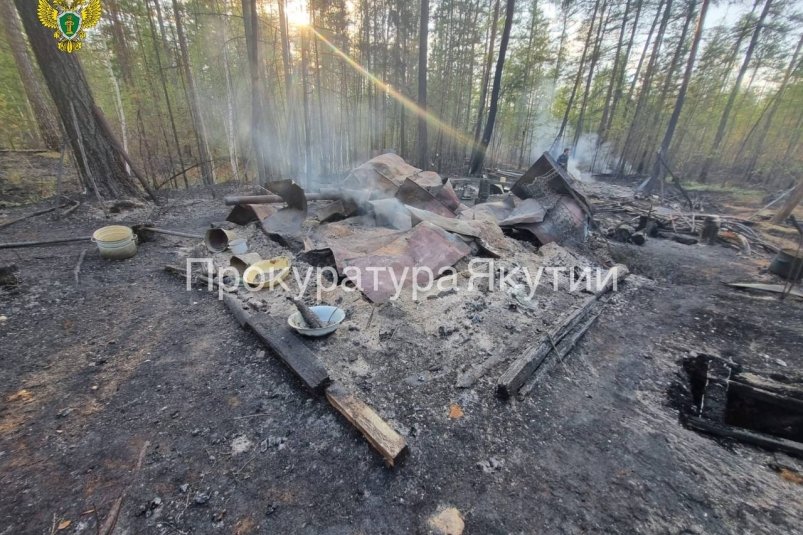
{"x":69,"y":19}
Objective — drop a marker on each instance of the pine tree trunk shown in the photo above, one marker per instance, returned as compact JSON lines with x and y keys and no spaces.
{"x":620,"y":78}
{"x":650,"y":140}
{"x":486,"y":76}
{"x":478,"y":158}
{"x":251,"y":22}
{"x":663,"y":153}
{"x":794,"y":199}
{"x":305,"y":101}
{"x":577,"y":79}
{"x":723,"y":121}
{"x":119,"y":41}
{"x":645,"y":86}
{"x":602,"y":131}
{"x":165,"y":92}
{"x":43,"y":112}
{"x":207,"y":169}
{"x":423,"y":36}
{"x":578,"y":131}
{"x":776,"y":102}
{"x":99,"y":155}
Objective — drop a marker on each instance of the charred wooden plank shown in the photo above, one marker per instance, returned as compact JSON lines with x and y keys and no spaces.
{"x":390,"y":444}
{"x":279,"y":339}
{"x":520,"y":371}
{"x":560,"y":353}
{"x":743,"y":435}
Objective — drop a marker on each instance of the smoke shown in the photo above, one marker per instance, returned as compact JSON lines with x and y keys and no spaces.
{"x":589,"y":157}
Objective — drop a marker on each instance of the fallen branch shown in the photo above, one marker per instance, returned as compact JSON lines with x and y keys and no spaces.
{"x":114,"y":512}
{"x":77,"y":270}
{"x":772,"y":288}
{"x":195,"y":279}
{"x":42,"y":243}
{"x":168,"y":232}
{"x":233,"y":200}
{"x":32,"y":214}
{"x":71,"y":209}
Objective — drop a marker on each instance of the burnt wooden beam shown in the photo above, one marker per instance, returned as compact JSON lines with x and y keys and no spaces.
{"x":285,"y":344}
{"x":560,"y":352}
{"x":390,"y":444}
{"x":743,"y":435}
{"x":522,"y":368}
{"x":793,"y":388}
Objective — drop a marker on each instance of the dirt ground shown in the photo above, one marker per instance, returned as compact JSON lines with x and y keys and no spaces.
{"x":91,"y":372}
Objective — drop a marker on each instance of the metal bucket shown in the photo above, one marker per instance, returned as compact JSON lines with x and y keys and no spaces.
{"x":115,"y":242}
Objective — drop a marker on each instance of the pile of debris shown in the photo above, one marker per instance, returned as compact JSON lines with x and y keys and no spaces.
{"x":389,"y":214}
{"x":627,"y":218}
{"x":385,"y":227}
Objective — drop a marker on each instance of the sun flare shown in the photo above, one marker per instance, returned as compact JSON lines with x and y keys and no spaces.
{"x":297,"y":14}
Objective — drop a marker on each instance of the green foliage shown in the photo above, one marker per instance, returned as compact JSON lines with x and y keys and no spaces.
{"x":349,"y":115}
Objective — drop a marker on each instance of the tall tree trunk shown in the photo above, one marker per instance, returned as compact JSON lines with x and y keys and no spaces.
{"x":231,"y":132}
{"x":577,"y":78}
{"x":658,"y":172}
{"x":578,"y":131}
{"x":119,"y":41}
{"x":602,"y":131}
{"x":207,"y":169}
{"x":478,"y":157}
{"x":486,"y":75}
{"x":100,"y":158}
{"x":723,"y":121}
{"x":43,"y":112}
{"x":620,"y":81}
{"x":423,"y":37}
{"x":776,"y":102}
{"x":646,"y":84}
{"x":794,"y":199}
{"x":165,"y":92}
{"x":293,"y":133}
{"x":305,"y":102}
{"x":650,"y":140}
{"x":251,"y":22}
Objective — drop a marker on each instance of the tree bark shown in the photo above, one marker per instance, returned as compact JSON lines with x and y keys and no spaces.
{"x":578,"y":131}
{"x":794,"y":199}
{"x":207,"y":170}
{"x":620,"y":78}
{"x":776,"y":102}
{"x":96,"y":150}
{"x":165,"y":92}
{"x":251,"y":22}
{"x":658,"y":173}
{"x":723,"y":121}
{"x":423,"y":37}
{"x":486,"y":75}
{"x":577,"y":78}
{"x":478,"y":157}
{"x":602,"y":130}
{"x":43,"y":112}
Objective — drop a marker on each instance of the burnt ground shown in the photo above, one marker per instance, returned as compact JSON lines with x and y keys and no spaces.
{"x":91,"y":372}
